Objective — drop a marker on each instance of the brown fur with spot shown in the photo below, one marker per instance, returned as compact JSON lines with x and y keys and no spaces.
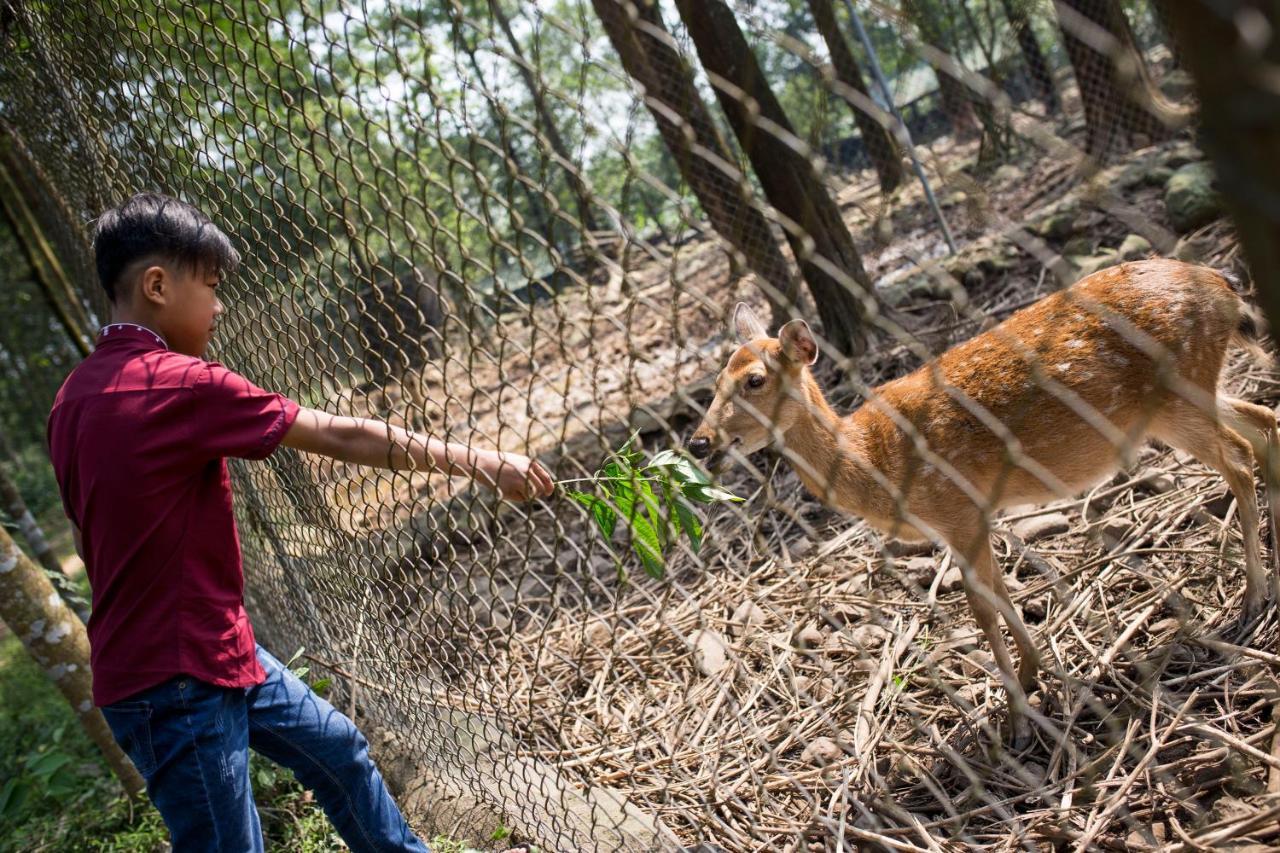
{"x":1047,"y":403}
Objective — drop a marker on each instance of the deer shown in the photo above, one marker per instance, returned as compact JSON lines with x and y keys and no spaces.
{"x":1054,"y":399}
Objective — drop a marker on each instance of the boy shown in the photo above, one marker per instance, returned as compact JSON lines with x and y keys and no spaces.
{"x":138,"y":435}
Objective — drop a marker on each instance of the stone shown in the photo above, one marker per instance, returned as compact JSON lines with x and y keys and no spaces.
{"x":1190,"y":197}
{"x":1157,"y":482}
{"x":1181,"y":155}
{"x":1090,"y":264}
{"x":1039,"y":527}
{"x":1193,"y":249}
{"x":1114,"y":532}
{"x":821,"y":751}
{"x":1059,"y":226}
{"x":1176,"y":85}
{"x":1078,"y":246}
{"x":1007,"y":173}
{"x":1157,"y":176}
{"x":869,"y":638}
{"x":902,"y":548}
{"x":952,"y":578}
{"x":808,"y":637}
{"x":1035,"y":609}
{"x":1133,"y":247}
{"x":1219,"y":504}
{"x":922,"y":568}
{"x":746,"y":615}
{"x":710,"y":651}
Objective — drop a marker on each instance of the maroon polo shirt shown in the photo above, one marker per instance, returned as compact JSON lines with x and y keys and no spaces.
{"x":138,"y":436}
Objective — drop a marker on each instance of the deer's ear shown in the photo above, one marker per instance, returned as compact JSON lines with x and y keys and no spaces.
{"x":747,"y":324}
{"x":798,"y":344}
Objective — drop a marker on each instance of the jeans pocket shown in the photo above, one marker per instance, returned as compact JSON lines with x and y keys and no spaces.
{"x":130,"y":724}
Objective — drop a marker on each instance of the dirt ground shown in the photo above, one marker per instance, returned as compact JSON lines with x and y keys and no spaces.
{"x":852,"y":696}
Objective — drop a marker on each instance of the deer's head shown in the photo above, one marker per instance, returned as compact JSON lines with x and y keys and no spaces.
{"x":761,"y":392}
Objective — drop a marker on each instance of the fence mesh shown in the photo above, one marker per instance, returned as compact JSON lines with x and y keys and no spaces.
{"x":526,"y":227}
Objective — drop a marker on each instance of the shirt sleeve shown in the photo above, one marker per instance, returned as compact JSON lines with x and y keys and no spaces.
{"x":234,"y":417}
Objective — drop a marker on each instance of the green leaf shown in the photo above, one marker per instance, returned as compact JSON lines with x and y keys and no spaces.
{"x":321,"y":685}
{"x":705,"y":494}
{"x":644,"y":541}
{"x":688,"y":521}
{"x":666,"y":457}
{"x":654,"y":510}
{"x":13,"y":796}
{"x":683,"y":469}
{"x":600,"y":510}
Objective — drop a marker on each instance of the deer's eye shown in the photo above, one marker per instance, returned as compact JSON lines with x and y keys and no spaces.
{"x":755,"y":380}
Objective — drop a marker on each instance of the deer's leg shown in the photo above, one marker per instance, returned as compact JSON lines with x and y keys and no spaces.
{"x":1217,"y":445}
{"x":989,"y":599}
{"x":1258,"y":426}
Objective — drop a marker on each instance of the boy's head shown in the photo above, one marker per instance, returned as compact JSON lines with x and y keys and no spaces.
{"x":159,"y":260}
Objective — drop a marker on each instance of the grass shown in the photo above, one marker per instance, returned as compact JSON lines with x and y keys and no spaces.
{"x":57,"y":794}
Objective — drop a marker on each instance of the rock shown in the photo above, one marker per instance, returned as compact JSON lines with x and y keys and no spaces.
{"x":869,"y":638}
{"x":1090,"y":264}
{"x":1190,"y":197}
{"x":952,"y":578}
{"x":901,"y":548}
{"x":1007,"y":173}
{"x":1181,"y":155}
{"x":1041,"y":526}
{"x":1078,"y":246}
{"x":1176,"y":85}
{"x":745,"y":615}
{"x":710,"y":652}
{"x":922,"y":568}
{"x":821,"y":751}
{"x":808,"y":637}
{"x":1035,"y":609}
{"x":1193,"y":249}
{"x":1157,"y":482}
{"x":1157,"y":176}
{"x":1059,"y":226}
{"x":1133,"y":247}
{"x":1219,"y":504}
{"x":1114,"y":532}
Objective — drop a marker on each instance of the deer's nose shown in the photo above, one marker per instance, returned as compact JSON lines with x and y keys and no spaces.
{"x":700,"y":447}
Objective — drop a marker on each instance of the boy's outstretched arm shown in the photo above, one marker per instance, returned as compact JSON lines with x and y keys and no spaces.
{"x":369,"y":442}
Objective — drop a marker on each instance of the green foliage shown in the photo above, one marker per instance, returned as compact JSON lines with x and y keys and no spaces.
{"x":58,"y":794}
{"x":654,"y":500}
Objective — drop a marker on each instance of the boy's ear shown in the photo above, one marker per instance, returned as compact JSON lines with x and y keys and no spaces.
{"x":798,"y":344}
{"x":153,"y":286}
{"x":747,"y":324}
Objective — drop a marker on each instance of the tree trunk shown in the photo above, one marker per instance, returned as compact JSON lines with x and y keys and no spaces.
{"x":1038,"y":70}
{"x":957,"y":105}
{"x":819,"y":238}
{"x":56,"y":640}
{"x":12,"y":505}
{"x":539,"y":218}
{"x":547,"y":121}
{"x":649,"y":55}
{"x":1240,"y":123}
{"x":1115,"y":88}
{"x":18,"y":209}
{"x":881,"y":146}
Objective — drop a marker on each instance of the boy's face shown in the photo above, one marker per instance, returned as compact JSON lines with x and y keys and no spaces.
{"x":183,"y":303}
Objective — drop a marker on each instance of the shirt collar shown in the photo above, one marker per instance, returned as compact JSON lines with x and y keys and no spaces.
{"x":130,"y":331}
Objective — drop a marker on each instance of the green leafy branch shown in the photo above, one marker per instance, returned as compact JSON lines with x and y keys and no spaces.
{"x":656,"y":500}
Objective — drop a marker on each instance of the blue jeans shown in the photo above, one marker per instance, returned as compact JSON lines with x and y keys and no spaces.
{"x":190,"y":740}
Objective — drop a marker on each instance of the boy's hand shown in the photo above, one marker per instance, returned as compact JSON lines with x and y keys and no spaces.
{"x":514,"y":476}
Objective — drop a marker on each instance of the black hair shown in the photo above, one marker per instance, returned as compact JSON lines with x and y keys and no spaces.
{"x":152,"y":224}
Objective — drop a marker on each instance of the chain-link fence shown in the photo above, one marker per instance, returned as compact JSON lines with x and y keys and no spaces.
{"x":527,"y":227}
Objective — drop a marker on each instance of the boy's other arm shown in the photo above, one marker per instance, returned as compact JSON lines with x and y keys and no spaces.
{"x":368,"y":442}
